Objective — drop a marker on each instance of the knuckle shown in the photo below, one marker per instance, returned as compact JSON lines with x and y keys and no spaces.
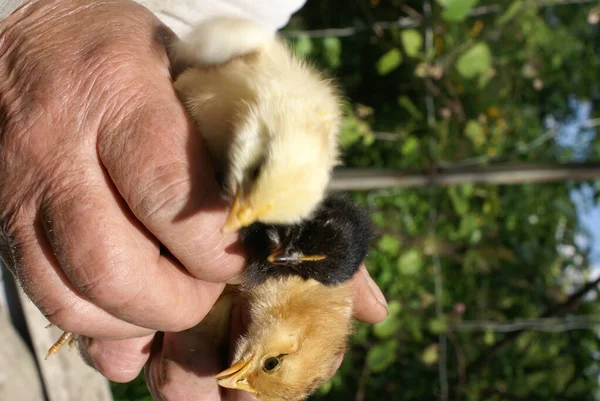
{"x":60,"y":313}
{"x":91,"y":279}
{"x":64,"y":193}
{"x":164,"y":194}
{"x":29,"y":106}
{"x":107,"y":280}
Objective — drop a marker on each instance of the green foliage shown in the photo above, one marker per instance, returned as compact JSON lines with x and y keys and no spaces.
{"x":475,"y":131}
{"x":333,"y":51}
{"x":388,"y":244}
{"x":410,"y":262}
{"x":510,"y":12}
{"x":382,"y":356}
{"x":430,"y":354}
{"x":303,"y":46}
{"x":412,"y":40}
{"x":456,"y":10}
{"x":408,"y":105}
{"x":475,"y":61}
{"x":389,"y":62}
{"x":353,"y":129}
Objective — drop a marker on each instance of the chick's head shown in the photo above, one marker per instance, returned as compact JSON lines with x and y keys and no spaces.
{"x":280,"y":161}
{"x":292,"y":345}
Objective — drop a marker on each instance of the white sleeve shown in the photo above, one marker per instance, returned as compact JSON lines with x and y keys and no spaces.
{"x":8,"y":6}
{"x":182,"y":15}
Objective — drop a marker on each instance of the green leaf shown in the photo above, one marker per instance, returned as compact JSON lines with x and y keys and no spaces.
{"x":407,"y":104}
{"x":510,"y":12}
{"x":475,"y":61}
{"x":348,"y":133}
{"x":378,"y":218}
{"x":410,"y":262}
{"x":488,"y":337}
{"x":333,"y":51}
{"x":394,"y":308}
{"x":475,"y":236}
{"x":389,"y":62}
{"x":413,"y":324}
{"x":412,"y":40}
{"x":392,"y":324}
{"x":430,"y":355}
{"x":304,"y":45}
{"x":459,"y":199}
{"x":438,"y":325}
{"x":467,"y":225}
{"x":567,"y":371}
{"x":361,"y":333}
{"x":535,"y":379}
{"x":475,"y":132}
{"x":368,"y":139}
{"x":389,"y":244}
{"x":389,"y":327}
{"x":382,"y":356}
{"x":352,"y":130}
{"x":457,"y":10}
{"x":410,"y":146}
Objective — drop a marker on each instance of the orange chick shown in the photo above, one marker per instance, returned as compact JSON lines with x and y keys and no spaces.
{"x":297,"y":332}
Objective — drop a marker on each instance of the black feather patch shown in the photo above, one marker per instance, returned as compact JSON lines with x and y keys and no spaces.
{"x":339,"y":230}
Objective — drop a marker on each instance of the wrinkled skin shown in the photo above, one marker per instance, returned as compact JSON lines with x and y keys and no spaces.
{"x":99,"y":166}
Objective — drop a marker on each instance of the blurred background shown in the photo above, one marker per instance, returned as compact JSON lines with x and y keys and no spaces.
{"x":491,"y":281}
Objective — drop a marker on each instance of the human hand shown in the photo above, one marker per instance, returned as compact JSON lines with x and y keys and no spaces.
{"x":99,"y":166}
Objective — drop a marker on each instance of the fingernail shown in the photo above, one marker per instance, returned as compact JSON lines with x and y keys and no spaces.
{"x":375,"y":290}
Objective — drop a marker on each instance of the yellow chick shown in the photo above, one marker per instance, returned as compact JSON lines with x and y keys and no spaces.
{"x":297,"y":332}
{"x":270,"y":120}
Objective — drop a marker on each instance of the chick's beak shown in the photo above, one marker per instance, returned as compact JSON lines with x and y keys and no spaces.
{"x":242,"y":214}
{"x":235,"y":376}
{"x":280,"y":257}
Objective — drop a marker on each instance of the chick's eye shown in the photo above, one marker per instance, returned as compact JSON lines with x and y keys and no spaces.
{"x":270,"y":364}
{"x":255,"y":171}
